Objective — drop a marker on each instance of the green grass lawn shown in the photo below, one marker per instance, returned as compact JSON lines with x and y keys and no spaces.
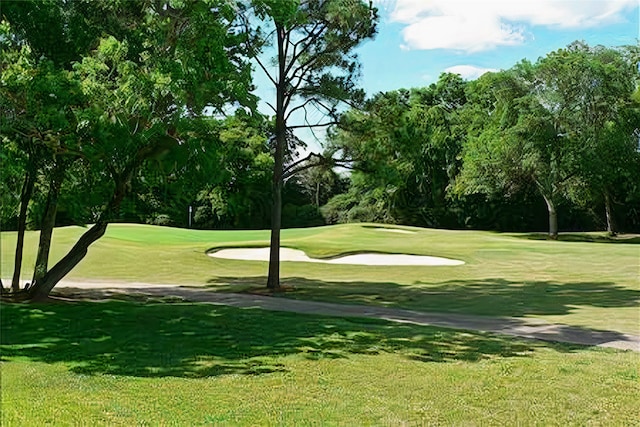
{"x":168,"y":363}
{"x":127,"y":363}
{"x":580,"y":282}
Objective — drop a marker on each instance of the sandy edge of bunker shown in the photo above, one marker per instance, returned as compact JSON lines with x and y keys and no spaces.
{"x":295,"y":255}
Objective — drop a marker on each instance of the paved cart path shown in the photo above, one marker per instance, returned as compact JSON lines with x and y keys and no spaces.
{"x":520,"y":327}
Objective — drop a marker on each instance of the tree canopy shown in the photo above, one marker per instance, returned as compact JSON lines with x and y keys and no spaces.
{"x":562,"y":130}
{"x":119,"y":97}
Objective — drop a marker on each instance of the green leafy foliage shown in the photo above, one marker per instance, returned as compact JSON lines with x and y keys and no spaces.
{"x":559,"y":134}
{"x":404,"y":146}
{"x":553,"y":125}
{"x":241,"y":198}
{"x":120,"y":99}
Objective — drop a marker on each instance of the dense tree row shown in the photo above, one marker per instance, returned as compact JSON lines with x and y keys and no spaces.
{"x":560,"y":133}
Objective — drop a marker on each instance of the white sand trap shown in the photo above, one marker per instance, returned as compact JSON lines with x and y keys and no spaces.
{"x":396,"y":230}
{"x":287,"y":254}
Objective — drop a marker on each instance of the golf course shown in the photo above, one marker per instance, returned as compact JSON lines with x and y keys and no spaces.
{"x":134,"y":359}
{"x":319,"y":213}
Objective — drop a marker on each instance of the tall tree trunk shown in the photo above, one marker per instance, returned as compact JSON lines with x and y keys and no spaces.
{"x":273,"y":279}
{"x":48,"y":224}
{"x":553,"y":218}
{"x":25,"y":197}
{"x":608,"y":213}
{"x":43,"y":286}
{"x":318,"y":193}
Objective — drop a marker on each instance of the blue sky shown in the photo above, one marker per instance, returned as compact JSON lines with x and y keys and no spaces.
{"x":420,"y":39}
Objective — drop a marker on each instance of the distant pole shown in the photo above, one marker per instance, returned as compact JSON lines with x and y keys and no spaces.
{"x":190,"y":211}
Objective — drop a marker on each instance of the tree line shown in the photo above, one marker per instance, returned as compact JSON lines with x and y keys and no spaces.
{"x":143,"y":111}
{"x":551,"y":144}
{"x":112,"y":110}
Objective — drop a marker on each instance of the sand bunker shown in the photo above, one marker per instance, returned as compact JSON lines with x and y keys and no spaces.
{"x":396,"y":230}
{"x":287,"y":254}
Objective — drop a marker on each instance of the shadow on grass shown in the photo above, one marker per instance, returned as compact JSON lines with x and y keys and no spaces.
{"x":583,"y":237}
{"x":199,"y":340}
{"x":488,"y":297}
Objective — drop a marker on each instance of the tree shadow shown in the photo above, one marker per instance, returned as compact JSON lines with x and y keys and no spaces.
{"x":200,"y":340}
{"x":487,"y":297}
{"x":583,"y":237}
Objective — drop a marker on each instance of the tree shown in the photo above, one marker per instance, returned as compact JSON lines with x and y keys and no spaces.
{"x":589,"y":91}
{"x":242,"y":197}
{"x":315,"y":67}
{"x":138,"y":91}
{"x":319,"y":184}
{"x":37,"y":120}
{"x":405,"y":145}
{"x":515,"y":140}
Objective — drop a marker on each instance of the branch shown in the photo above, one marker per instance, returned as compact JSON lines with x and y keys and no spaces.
{"x":346,"y":164}
{"x":311,"y":37}
{"x":272,"y":107}
{"x":299,"y":165}
{"x":303,"y":68}
{"x":303,"y":105}
{"x":567,"y":178}
{"x":294,"y":55}
{"x":293,"y":90}
{"x":287,"y":37}
{"x":265,"y":70}
{"x":317,"y":125}
{"x":319,"y":103}
{"x":254,"y":49}
{"x":295,"y":167}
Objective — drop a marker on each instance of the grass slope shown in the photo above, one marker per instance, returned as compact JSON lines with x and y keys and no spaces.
{"x":167,"y":363}
{"x":125,"y":363}
{"x":582,"y":283}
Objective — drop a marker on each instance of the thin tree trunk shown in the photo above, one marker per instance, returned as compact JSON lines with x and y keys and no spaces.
{"x":41,"y":288}
{"x":553,"y":218}
{"x":273,"y":279}
{"x":48,"y":224}
{"x":318,"y":193}
{"x":25,"y":197}
{"x":608,"y":213}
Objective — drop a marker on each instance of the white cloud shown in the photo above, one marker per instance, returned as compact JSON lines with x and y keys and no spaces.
{"x":469,"y":72}
{"x":473,"y":25}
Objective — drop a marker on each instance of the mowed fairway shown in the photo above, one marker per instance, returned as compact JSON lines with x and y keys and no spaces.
{"x":172,"y":363}
{"x":579,"y":283}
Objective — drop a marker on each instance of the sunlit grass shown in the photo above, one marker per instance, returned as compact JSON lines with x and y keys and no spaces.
{"x":126,"y":363}
{"x":580,"y":283}
{"x":135,"y":363}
